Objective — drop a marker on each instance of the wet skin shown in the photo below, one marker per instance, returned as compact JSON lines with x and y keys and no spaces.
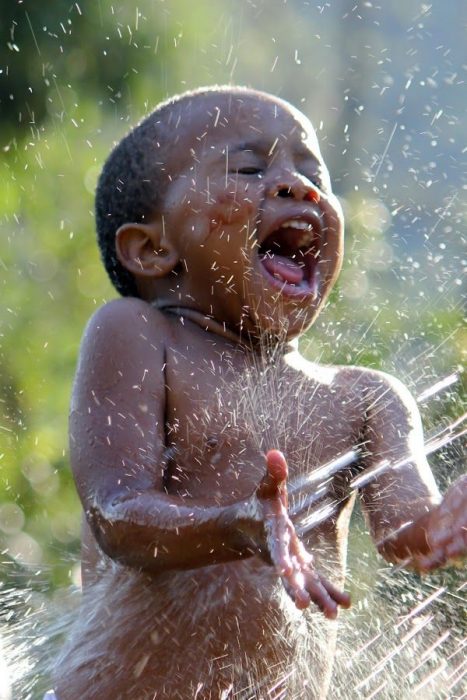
{"x":245,"y":167}
{"x":191,"y":563}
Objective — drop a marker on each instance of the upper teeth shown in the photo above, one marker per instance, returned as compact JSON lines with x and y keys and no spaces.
{"x":293,"y":223}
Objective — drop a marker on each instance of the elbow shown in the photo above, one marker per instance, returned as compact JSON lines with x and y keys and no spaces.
{"x":105,"y":531}
{"x":125,"y":541}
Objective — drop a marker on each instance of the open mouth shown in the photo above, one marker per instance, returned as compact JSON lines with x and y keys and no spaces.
{"x":289,"y":256}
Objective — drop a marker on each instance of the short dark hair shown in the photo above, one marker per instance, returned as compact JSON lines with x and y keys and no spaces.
{"x":132,"y":183}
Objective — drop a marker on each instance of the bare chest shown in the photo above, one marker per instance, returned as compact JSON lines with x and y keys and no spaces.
{"x":224,"y":413}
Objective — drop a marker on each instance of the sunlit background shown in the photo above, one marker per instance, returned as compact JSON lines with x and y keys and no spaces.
{"x":384,"y":84}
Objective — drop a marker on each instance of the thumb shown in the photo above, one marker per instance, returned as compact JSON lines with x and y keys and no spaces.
{"x":276,"y":465}
{"x":273,"y":482}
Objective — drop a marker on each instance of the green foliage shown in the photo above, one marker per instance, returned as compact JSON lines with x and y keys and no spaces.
{"x":51,"y":275}
{"x":96,"y":50}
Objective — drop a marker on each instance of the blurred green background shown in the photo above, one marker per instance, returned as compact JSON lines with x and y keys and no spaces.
{"x":385,"y":87}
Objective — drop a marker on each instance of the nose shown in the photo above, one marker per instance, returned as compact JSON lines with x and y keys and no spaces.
{"x":294,"y":186}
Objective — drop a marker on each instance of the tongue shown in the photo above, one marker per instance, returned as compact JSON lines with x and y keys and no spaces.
{"x":283,"y":268}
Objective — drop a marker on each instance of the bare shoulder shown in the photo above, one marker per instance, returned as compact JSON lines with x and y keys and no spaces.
{"x":126,"y":317}
{"x":124,"y":330}
{"x":378,"y":388}
{"x":354,"y":381}
{"x":371,"y":379}
{"x":122,"y":339}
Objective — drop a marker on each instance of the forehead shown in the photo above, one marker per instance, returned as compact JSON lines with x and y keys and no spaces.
{"x":240,"y":119}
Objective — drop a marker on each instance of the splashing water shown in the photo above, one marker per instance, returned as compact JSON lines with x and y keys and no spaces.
{"x":403,"y":638}
{"x":411,"y":58}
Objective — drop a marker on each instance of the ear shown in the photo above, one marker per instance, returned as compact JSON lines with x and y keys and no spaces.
{"x":145,"y":251}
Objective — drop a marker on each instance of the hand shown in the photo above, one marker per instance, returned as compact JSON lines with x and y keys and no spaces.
{"x":446,"y":530}
{"x":285,"y":550}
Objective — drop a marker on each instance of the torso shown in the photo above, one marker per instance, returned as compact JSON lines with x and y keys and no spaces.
{"x":226,"y":407}
{"x":210,"y":628}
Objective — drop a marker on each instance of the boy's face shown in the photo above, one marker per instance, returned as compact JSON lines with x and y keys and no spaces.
{"x":251,"y":213}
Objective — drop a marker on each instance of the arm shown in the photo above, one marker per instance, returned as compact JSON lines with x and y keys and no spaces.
{"x":408,"y":520}
{"x":436,"y":538}
{"x":117,"y":446}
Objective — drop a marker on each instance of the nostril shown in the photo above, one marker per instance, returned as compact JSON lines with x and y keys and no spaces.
{"x":312,"y":196}
{"x":284,"y":192}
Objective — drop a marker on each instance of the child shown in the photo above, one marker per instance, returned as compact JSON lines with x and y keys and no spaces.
{"x":218,"y":226}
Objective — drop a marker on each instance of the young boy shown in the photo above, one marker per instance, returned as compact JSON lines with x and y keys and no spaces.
{"x":218,"y":226}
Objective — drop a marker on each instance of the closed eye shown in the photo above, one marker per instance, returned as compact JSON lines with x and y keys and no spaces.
{"x":249,"y":170}
{"x":317,"y":177}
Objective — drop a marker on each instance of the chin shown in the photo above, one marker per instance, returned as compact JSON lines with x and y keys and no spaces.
{"x":281,"y":306}
{"x":284,"y":327}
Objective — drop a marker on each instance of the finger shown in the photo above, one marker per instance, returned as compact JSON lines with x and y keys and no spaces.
{"x":299,"y":551}
{"x":307,"y":588}
{"x":276,"y":465}
{"x":294,"y":586}
{"x":305,"y":560}
{"x":329,"y":597}
{"x":341,"y":597}
{"x":320,"y":596}
{"x":273,"y":483}
{"x":301,"y":599}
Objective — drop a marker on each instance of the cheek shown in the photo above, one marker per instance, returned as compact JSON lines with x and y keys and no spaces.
{"x":334,"y":222}
{"x":232,"y":207}
{"x":335,"y":213}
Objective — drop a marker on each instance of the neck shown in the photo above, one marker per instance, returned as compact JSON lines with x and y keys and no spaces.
{"x":265,"y":344}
